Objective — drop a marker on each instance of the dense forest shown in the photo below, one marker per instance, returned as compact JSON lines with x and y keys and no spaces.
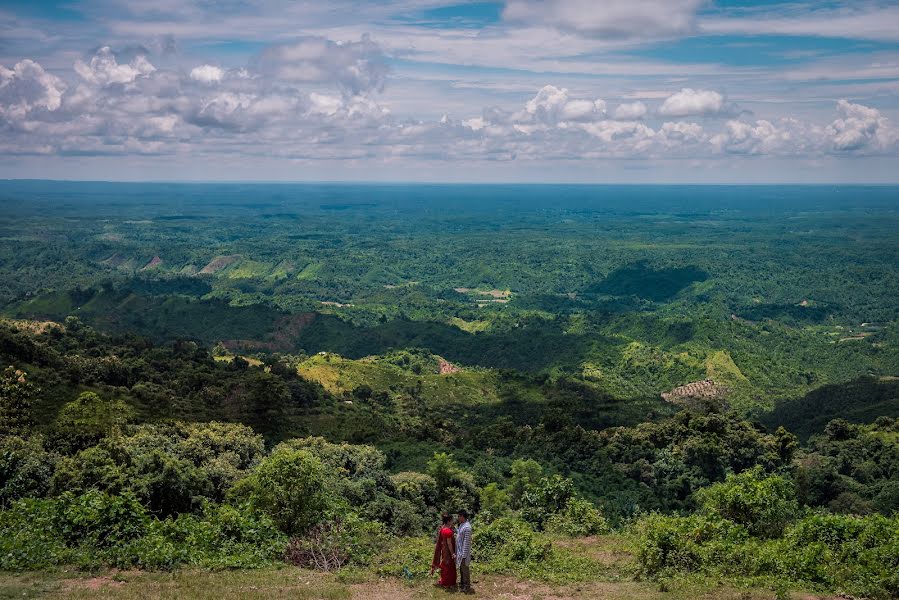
{"x":241,"y":376}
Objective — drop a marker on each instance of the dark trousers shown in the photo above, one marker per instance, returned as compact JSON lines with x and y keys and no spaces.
{"x":465,"y":574}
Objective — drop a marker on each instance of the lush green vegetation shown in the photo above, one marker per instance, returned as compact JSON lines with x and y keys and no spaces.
{"x":311,"y":378}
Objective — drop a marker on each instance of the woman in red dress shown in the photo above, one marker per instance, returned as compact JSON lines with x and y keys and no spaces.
{"x":445,"y":554}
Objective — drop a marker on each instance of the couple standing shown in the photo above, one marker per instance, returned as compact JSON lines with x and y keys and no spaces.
{"x":454,"y":550}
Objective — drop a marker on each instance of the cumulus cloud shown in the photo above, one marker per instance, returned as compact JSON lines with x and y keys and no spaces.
{"x":631,"y":111}
{"x":614,"y":19}
{"x":26,"y":88}
{"x":104,"y":69}
{"x":355,"y":67}
{"x":207,"y":74}
{"x":689,"y":102}
{"x":127,"y":106}
{"x":554,"y":105}
{"x":860,"y":127}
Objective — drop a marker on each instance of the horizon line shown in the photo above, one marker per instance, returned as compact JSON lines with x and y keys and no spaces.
{"x":444,"y":183}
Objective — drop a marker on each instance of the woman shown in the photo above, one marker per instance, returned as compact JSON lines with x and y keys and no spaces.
{"x":445,"y":554}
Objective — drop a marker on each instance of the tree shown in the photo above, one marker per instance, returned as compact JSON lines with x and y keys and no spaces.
{"x":291,"y":487}
{"x":763,"y":504}
{"x":88,"y":419}
{"x":525,"y":475}
{"x":16,"y":396}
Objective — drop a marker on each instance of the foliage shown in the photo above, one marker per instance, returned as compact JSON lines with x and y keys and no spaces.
{"x":26,"y":469}
{"x":16,"y":397}
{"x":97,"y":529}
{"x":292,"y":487}
{"x":456,"y":489}
{"x":853,"y":553}
{"x":578,"y":518}
{"x":171,"y":468}
{"x":762,"y":504}
{"x":336,"y":543}
{"x":87,"y":419}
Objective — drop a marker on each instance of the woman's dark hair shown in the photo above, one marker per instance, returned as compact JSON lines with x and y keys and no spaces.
{"x":446,"y":518}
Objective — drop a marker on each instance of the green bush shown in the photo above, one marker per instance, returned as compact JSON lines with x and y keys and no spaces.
{"x":88,"y":419}
{"x":337,"y":542}
{"x":578,"y":518}
{"x":221,"y":536}
{"x":507,"y":541}
{"x":170,"y":468}
{"x":26,"y":469}
{"x":763,"y":504}
{"x":29,"y":538}
{"x":548,"y":497}
{"x":859,"y":555}
{"x":96,"y":529}
{"x":291,"y":487}
{"x":99,"y":520}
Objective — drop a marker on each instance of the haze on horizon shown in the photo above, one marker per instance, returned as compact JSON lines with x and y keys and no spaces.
{"x":429,"y":90}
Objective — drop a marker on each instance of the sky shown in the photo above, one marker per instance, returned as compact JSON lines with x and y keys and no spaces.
{"x":617,"y":91}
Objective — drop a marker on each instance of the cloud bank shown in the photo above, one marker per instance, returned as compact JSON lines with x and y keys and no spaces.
{"x":315,"y":98}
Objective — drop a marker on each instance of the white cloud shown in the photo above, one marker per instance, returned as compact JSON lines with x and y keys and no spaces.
{"x":553,"y":105}
{"x":630,"y":112}
{"x":105,"y":70}
{"x":614,"y":19}
{"x":859,"y":128}
{"x":355,"y":67}
{"x":207,"y":74}
{"x":689,"y":102}
{"x":27,"y":87}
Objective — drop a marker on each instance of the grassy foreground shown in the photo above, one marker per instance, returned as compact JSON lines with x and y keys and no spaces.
{"x":613,"y":582}
{"x":299,"y":584}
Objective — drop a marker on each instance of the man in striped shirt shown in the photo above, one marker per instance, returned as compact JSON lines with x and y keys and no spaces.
{"x":463,"y":551}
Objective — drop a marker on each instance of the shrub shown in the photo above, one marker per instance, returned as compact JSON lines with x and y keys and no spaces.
{"x":578,"y":518}
{"x":291,"y":487}
{"x":98,"y":520}
{"x":26,"y":469}
{"x":456,"y":489}
{"x":88,"y":419}
{"x":336,"y":543}
{"x":506,"y":541}
{"x":16,"y":397}
{"x":526,"y":473}
{"x":763,"y":504}
{"x":548,"y":497}
{"x":29,"y":538}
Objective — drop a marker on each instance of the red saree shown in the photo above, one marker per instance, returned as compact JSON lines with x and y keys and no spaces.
{"x":443,"y":558}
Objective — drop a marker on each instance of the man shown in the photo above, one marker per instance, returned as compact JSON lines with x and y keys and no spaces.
{"x":463,"y":551}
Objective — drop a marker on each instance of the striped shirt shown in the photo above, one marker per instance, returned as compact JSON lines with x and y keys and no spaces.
{"x":463,"y":543}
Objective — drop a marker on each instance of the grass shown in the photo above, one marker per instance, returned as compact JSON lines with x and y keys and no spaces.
{"x":610,"y":580}
{"x":297,"y":584}
{"x":337,"y":375}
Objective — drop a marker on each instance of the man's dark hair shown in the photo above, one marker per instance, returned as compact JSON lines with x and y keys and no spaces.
{"x":446,"y":518}
{"x":463,"y":513}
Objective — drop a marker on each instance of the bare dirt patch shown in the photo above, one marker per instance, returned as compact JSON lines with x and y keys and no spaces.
{"x":154,"y":262}
{"x":218,"y":263}
{"x":445,"y":367}
{"x":695,"y":390}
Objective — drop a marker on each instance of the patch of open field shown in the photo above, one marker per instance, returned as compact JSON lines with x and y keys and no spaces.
{"x":298,"y":584}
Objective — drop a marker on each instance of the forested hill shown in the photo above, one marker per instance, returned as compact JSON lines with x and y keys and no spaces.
{"x":700,"y":382}
{"x":108,"y":457}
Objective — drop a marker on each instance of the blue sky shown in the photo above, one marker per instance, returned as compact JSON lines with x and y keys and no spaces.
{"x":409,"y":90}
